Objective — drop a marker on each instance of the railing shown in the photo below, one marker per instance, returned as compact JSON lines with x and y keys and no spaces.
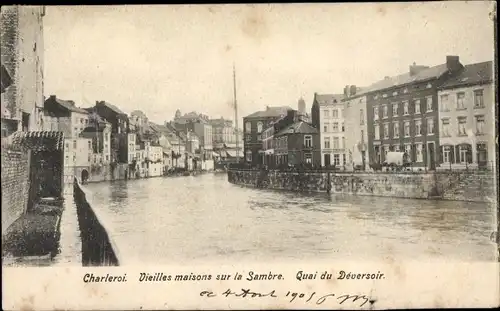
{"x":487,"y":168}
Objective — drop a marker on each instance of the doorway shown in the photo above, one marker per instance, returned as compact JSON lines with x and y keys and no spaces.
{"x":431,"y":154}
{"x":327,"y":159}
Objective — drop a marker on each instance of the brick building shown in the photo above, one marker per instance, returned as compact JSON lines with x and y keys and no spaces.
{"x":22,"y":58}
{"x":327,"y":115}
{"x":297,"y":144}
{"x":254,"y":126}
{"x":403,"y":113}
{"x":467,"y":118}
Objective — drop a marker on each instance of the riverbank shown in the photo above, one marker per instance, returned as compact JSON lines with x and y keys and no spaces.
{"x":458,"y":186}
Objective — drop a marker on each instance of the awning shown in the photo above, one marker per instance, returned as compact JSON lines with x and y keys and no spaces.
{"x":215,"y":154}
{"x":40,"y":141}
{"x":6,"y":79}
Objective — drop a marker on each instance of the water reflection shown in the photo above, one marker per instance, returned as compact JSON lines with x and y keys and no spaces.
{"x":188,"y":219}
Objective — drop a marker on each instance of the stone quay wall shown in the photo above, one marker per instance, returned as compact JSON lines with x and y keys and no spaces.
{"x":98,"y":247}
{"x":430,"y":185}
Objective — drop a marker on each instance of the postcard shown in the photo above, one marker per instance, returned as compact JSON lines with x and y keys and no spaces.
{"x":250,"y":156}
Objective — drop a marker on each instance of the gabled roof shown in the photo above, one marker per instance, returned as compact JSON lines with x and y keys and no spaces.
{"x":112,"y":107}
{"x":298,"y":128}
{"x":403,"y":79}
{"x":472,"y":74}
{"x":68,"y":104}
{"x":328,"y":99}
{"x":270,"y":112}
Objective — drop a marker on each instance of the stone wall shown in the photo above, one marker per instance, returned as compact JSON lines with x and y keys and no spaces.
{"x":402,"y":185}
{"x":22,"y":55}
{"x":15,"y":185}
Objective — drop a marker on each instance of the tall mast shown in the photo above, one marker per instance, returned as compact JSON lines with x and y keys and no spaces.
{"x":236,"y":116}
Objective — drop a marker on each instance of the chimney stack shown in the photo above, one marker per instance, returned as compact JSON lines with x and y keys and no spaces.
{"x":453,"y":63}
{"x":353,"y":90}
{"x":53,"y":97}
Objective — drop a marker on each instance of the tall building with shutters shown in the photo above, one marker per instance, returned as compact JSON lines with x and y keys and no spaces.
{"x":467,"y":118}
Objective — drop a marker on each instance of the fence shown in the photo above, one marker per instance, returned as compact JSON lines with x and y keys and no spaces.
{"x":486,"y":167}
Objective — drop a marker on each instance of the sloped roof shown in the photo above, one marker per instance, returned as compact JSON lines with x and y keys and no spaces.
{"x":112,"y":107}
{"x":270,"y":112}
{"x":68,"y":104}
{"x":328,"y":99}
{"x":40,"y":141}
{"x":298,"y":128}
{"x":406,"y":78}
{"x":472,"y":74}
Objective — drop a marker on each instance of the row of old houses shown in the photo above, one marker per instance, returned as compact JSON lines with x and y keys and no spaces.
{"x":103,"y":142}
{"x":441,"y":116}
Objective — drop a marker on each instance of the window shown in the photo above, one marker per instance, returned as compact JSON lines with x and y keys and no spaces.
{"x":418,"y":127}
{"x":462,"y":123}
{"x":408,"y":150}
{"x":396,"y":129}
{"x":81,"y":121}
{"x":377,"y":132}
{"x":249,"y":155}
{"x":446,"y":154}
{"x":405,"y":108}
{"x":90,"y":144}
{"x":407,"y":128}
{"x":335,"y":143}
{"x":74,"y":144}
{"x":248,"y":138}
{"x":418,"y":153}
{"x":463,"y":153}
{"x":335,"y":127}
{"x":375,"y":113}
{"x":478,"y":99}
{"x":248,"y":127}
{"x":76,"y":130}
{"x":308,"y":158}
{"x":343,"y":127}
{"x":445,"y":105}
{"x":326,"y":142}
{"x":259,"y":127}
{"x":480,"y":125}
{"x":361,"y":117}
{"x":461,"y":100}
{"x":445,"y":127}
{"x":336,"y":159}
{"x":325,"y":127}
{"x":384,"y":111}
{"x":396,"y":148}
{"x":429,"y":103}
{"x":308,"y":141}
{"x":326,"y":113}
{"x":430,"y":126}
{"x":259,"y":137}
{"x":362,"y":136}
{"x":343,"y":143}
{"x":344,"y":159}
{"x":386,"y":130}
{"x":417,"y":106}
{"x":394,"y":109}
{"x":335,"y":113}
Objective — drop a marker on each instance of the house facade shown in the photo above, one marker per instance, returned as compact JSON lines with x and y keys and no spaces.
{"x":467,"y":118}
{"x":297,"y":144}
{"x":356,"y":139}
{"x":403,"y":113}
{"x":327,"y":115}
{"x":254,"y":126}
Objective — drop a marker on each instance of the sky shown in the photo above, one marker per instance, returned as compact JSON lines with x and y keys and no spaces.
{"x":162,"y":58}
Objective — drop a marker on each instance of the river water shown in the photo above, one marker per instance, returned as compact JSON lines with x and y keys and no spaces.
{"x":205,"y":218}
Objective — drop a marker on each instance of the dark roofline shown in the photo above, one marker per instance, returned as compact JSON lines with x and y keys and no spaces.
{"x":465,"y":84}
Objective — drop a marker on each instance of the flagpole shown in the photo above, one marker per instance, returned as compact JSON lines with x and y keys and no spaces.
{"x":236,"y":115}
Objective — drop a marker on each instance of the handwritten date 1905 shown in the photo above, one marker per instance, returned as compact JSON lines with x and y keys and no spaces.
{"x":294,"y":296}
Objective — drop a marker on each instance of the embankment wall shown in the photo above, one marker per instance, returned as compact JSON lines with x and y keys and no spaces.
{"x":98,"y":247}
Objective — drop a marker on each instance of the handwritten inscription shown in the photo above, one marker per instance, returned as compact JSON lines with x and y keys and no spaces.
{"x":312,"y":297}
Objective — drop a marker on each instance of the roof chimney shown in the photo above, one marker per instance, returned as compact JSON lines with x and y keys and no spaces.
{"x":52,"y":97}
{"x":453,"y":63}
{"x":353,"y":90}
